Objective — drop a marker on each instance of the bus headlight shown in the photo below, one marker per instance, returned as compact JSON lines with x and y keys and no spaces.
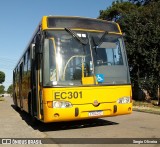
{"x":124,"y":100}
{"x":59,"y":104}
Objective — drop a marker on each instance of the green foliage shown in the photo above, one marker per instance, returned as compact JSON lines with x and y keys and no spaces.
{"x":141,"y":24}
{"x":10,"y":89}
{"x":2,"y":77}
{"x":117,"y":10}
{"x":2,"y":89}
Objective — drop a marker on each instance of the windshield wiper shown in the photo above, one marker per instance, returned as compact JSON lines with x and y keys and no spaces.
{"x":84,"y":42}
{"x":97,"y":43}
{"x":100,"y":40}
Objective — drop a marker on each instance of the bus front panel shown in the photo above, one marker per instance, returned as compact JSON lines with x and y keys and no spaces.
{"x":66,"y":104}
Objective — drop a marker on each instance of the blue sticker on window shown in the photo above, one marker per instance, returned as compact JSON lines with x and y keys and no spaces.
{"x":100,"y":77}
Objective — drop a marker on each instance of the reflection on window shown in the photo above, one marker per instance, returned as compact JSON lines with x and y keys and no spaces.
{"x":68,"y":62}
{"x":52,"y":62}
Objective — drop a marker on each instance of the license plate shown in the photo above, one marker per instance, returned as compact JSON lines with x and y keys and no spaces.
{"x":95,"y":113}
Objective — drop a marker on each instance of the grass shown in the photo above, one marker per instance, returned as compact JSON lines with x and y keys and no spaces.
{"x":146,"y":107}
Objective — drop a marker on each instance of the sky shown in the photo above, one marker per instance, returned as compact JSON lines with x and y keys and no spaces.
{"x":19,"y":19}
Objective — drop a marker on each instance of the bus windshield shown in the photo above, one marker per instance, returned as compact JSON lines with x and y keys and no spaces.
{"x":71,"y":56}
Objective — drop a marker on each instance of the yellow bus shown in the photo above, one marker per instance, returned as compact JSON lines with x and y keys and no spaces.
{"x":73,"y":68}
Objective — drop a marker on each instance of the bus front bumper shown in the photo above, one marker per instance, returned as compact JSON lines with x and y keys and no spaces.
{"x":86,"y":111}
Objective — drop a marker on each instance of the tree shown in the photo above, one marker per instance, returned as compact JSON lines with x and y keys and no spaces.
{"x":2,"y":77}
{"x":143,"y":37}
{"x":117,"y":11}
{"x":10,"y":89}
{"x":2,"y":89}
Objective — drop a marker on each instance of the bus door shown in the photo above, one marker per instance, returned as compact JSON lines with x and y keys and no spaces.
{"x":36,"y":84}
{"x":33,"y":98}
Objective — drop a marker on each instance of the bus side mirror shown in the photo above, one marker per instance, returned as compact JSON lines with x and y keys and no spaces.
{"x":32,"y":47}
{"x":38,"y":49}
